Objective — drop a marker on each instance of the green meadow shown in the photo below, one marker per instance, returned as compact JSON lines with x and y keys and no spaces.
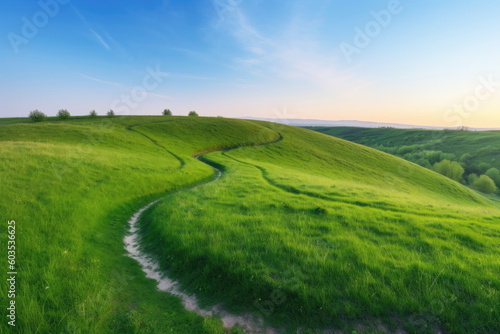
{"x":481,"y":145}
{"x":310,"y":232}
{"x":477,"y":152}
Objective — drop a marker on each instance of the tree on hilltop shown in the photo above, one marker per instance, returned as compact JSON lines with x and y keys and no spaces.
{"x":63,"y":114}
{"x":37,"y":116}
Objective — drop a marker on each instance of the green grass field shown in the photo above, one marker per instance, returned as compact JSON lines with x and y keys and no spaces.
{"x":477,"y":151}
{"x":307,"y":231}
{"x":482,"y":145}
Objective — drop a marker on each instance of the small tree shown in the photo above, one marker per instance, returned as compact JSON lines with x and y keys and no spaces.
{"x":485,"y":185}
{"x":93,"y":114}
{"x":483,"y":167}
{"x":63,"y":114}
{"x":167,"y":112}
{"x":494,"y":174}
{"x":466,"y":158}
{"x":472,"y":178}
{"x":433,"y":156}
{"x":110,"y":113}
{"x":37,"y":116}
{"x":193,"y":113}
{"x":450,"y":169}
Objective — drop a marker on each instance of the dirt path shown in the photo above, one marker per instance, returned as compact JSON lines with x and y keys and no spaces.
{"x":151,"y":267}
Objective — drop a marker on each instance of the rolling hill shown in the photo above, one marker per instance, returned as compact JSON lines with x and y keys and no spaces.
{"x":306,"y":230}
{"x":483,"y":146}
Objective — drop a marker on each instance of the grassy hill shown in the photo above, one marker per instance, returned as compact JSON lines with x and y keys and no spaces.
{"x":477,"y":151}
{"x":307,"y":231}
{"x":70,"y":187}
{"x":484,"y":146}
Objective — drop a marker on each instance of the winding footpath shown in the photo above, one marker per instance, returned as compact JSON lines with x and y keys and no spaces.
{"x":151,"y":267}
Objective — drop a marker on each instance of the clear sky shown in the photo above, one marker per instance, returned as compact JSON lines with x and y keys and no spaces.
{"x":425,"y":62}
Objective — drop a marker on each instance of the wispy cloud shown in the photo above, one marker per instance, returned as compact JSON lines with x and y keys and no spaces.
{"x":100,"y":39}
{"x":292,"y":53}
{"x":100,"y":80}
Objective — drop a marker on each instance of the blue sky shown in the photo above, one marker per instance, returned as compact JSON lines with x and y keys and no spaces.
{"x":421,"y":62}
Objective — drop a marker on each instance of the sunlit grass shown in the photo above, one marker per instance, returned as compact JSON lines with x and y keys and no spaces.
{"x":306,"y":231}
{"x":71,"y":187}
{"x":309,"y":230}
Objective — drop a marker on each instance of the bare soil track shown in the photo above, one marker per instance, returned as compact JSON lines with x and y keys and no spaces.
{"x":151,"y":267}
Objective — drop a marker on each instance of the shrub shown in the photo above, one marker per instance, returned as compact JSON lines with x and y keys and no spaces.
{"x":485,"y":184}
{"x":193,"y":113}
{"x":167,"y":112}
{"x":213,"y":326}
{"x":63,"y":114}
{"x":237,"y":329}
{"x":483,"y":167}
{"x":37,"y":116}
{"x":93,"y":114}
{"x":110,"y":113}
{"x":433,"y":156}
{"x":494,"y":174}
{"x":448,"y":156}
{"x":472,"y":178}
{"x":407,"y":149}
{"x":450,"y":169}
{"x":466,"y":158}
{"x":386,"y":149}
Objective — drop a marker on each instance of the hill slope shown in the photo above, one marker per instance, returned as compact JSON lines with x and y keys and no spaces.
{"x":318,"y":231}
{"x":70,"y":187}
{"x":310,"y":230}
{"x":477,"y":151}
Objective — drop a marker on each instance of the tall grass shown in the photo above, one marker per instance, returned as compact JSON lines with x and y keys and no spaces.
{"x":308,"y":231}
{"x":71,"y":187}
{"x":318,"y":232}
